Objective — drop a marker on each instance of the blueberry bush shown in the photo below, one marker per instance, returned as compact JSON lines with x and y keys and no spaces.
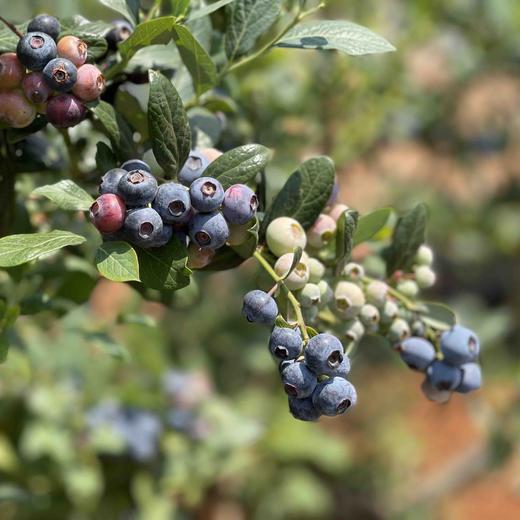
{"x":123,"y":157}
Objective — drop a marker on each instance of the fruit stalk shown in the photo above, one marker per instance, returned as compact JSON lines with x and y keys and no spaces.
{"x":11,"y":27}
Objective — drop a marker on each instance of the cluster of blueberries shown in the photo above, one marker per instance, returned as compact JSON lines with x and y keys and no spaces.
{"x":47,"y":75}
{"x":132,"y":206}
{"x":314,"y":376}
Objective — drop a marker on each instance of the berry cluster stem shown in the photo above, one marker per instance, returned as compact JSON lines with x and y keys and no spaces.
{"x":11,"y":26}
{"x":290,"y":296}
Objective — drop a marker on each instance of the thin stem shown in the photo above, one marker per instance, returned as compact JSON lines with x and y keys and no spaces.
{"x":153,"y":11}
{"x":12,"y":27}
{"x":73,"y":154}
{"x":290,"y":296}
{"x":409,"y":304}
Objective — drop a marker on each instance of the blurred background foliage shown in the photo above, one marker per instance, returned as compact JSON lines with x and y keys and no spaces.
{"x":112,"y":406}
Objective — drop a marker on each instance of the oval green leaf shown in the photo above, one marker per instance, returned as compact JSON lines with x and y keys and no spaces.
{"x":117,"y":261}
{"x":66,"y":195}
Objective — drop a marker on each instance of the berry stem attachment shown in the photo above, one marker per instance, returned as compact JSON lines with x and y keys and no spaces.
{"x":290,"y":296}
{"x":12,"y":27}
{"x":409,"y":304}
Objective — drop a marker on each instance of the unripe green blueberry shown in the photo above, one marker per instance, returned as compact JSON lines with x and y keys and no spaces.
{"x":199,"y":258}
{"x":374,"y":266}
{"x":424,"y":276}
{"x":298,"y":278}
{"x":238,"y":235}
{"x":310,"y":314}
{"x":338,"y":210}
{"x":284,"y":235}
{"x":399,"y":331}
{"x":348,"y":299}
{"x":310,"y":296}
{"x":418,"y":328}
{"x":389,"y":312}
{"x":326,"y":292}
{"x":316,"y":270}
{"x":354,"y":330}
{"x":321,"y":232}
{"x":11,"y":71}
{"x":369,"y":315}
{"x":424,"y":256}
{"x":408,"y":288}
{"x":353,"y":271}
{"x":376,"y":293}
{"x":18,"y":111}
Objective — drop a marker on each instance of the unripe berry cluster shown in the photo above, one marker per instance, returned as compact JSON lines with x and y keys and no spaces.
{"x":314,"y":374}
{"x":49,"y":76}
{"x":132,"y":206}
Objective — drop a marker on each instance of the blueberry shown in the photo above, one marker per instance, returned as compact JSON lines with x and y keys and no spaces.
{"x":285,"y":363}
{"x":172,"y":202}
{"x":73,"y":49}
{"x":120,"y":32}
{"x":471,"y":378}
{"x":199,"y":258}
{"x":334,"y":396}
{"x":298,"y":277}
{"x":206,"y":194}
{"x":433,"y":394}
{"x":399,"y":330}
{"x":417,"y":353}
{"x":108,"y":213}
{"x":303,"y":409}
{"x":18,"y":112}
{"x":389,"y":312}
{"x":209,"y":230}
{"x":324,"y":354}
{"x":136,"y":164}
{"x":144,"y":227}
{"x":424,"y":276}
{"x":284,"y":235}
{"x":193,"y":168}
{"x":65,"y":111}
{"x":348,"y":299}
{"x":353,"y":271}
{"x":354,"y":330}
{"x":316,"y":270}
{"x":46,"y":24}
{"x":285,"y":343}
{"x":369,"y":315}
{"x":35,"y":50}
{"x":443,"y":376}
{"x":165,"y":236}
{"x":11,"y":71}
{"x":60,"y":74}
{"x":259,"y":307}
{"x":110,"y":180}
{"x":408,"y":288}
{"x":321,"y":232}
{"x":376,"y":292}
{"x":298,"y":381}
{"x":240,"y":204}
{"x":424,"y":256}
{"x":137,"y":187}
{"x":310,"y":296}
{"x":459,"y":345}
{"x":35,"y":88}
{"x":90,"y":83}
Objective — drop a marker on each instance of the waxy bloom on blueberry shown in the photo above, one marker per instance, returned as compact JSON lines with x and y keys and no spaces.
{"x":206,"y":194}
{"x":136,"y":164}
{"x":144,"y":226}
{"x":303,"y":409}
{"x":334,"y":396}
{"x":443,"y":376}
{"x":36,"y":49}
{"x":137,"y":187}
{"x":324,"y":354}
{"x":46,"y":24}
{"x":285,"y":343}
{"x":459,"y":345}
{"x":193,"y":168}
{"x":110,"y":181}
{"x":471,"y":378}
{"x":240,"y":204}
{"x":298,"y":381}
{"x":209,"y":230}
{"x":173,"y":203}
{"x":417,"y":353}
{"x":60,"y":74}
{"x":259,"y":307}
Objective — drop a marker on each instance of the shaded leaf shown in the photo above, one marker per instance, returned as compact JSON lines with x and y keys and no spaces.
{"x":346,"y":230}
{"x":438,"y":315}
{"x":128,"y":8}
{"x":105,"y":158}
{"x":369,"y":225}
{"x":66,"y":195}
{"x":208,"y":9}
{"x":117,"y":261}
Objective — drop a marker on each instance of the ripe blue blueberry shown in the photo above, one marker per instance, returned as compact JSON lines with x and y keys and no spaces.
{"x":121,"y":32}
{"x":46,"y":24}
{"x":298,"y":381}
{"x":193,"y":168}
{"x":284,"y":364}
{"x":433,"y":394}
{"x":334,"y":396}
{"x":459,"y":345}
{"x":110,"y":180}
{"x":443,"y":376}
{"x":324,"y":354}
{"x":136,"y":164}
{"x":303,"y":409}
{"x":137,"y":187}
{"x":172,"y":202}
{"x":240,"y":204}
{"x":165,"y":236}
{"x":471,"y":378}
{"x":209,"y":230}
{"x":259,"y":307}
{"x":144,"y":227}
{"x":285,"y":343}
{"x":35,"y":50}
{"x":206,"y":194}
{"x":60,"y":74}
{"x":417,"y":353}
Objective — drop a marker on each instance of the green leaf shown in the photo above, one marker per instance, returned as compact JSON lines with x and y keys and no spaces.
{"x":305,"y":193}
{"x":4,"y":347}
{"x":116,"y":128}
{"x":131,"y":109}
{"x":165,"y":268}
{"x":347,"y":225}
{"x":409,"y":235}
{"x":19,"y":249}
{"x":107,"y":344}
{"x":117,"y":261}
{"x":208,"y":9}
{"x":311,"y":332}
{"x":105,"y":158}
{"x":240,"y":165}
{"x":205,"y":126}
{"x":153,"y":32}
{"x":92,"y":33}
{"x":369,"y":225}
{"x":168,"y":124}
{"x":198,"y":62}
{"x":342,"y":36}
{"x":9,"y":40}
{"x":439,"y":316}
{"x":298,"y":253}
{"x":175,"y":7}
{"x":247,"y":20}
{"x":128,"y":8}
{"x":66,"y":195}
